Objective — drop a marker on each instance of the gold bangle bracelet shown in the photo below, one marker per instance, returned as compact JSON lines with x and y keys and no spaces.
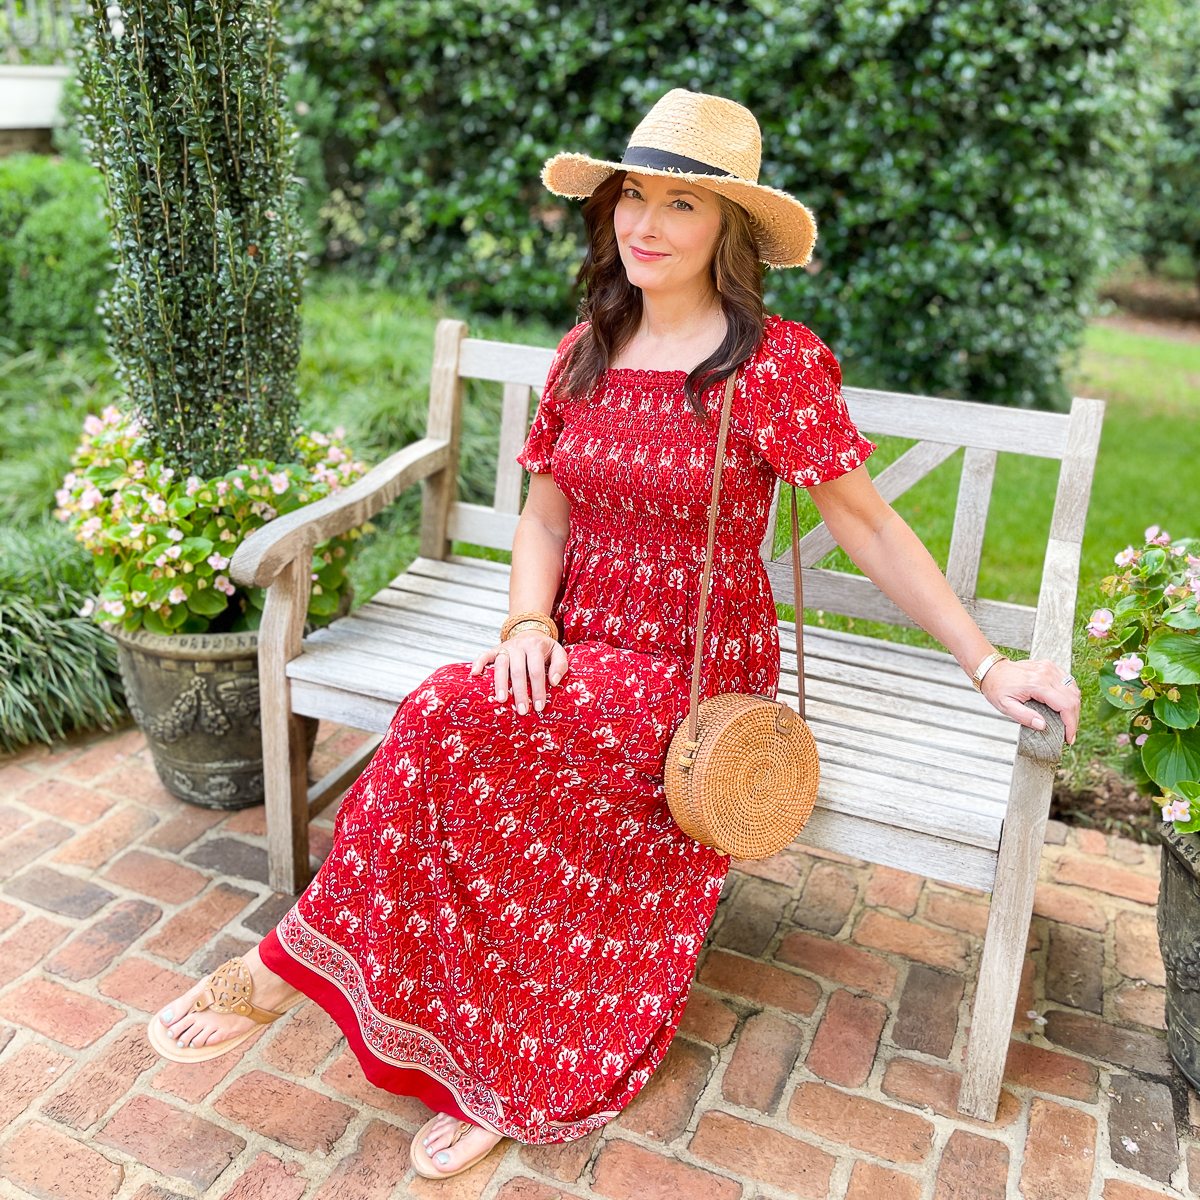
{"x":544,"y":620}
{"x":540,"y":626}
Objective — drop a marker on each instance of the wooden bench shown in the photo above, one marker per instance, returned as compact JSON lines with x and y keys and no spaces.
{"x":918,"y":772}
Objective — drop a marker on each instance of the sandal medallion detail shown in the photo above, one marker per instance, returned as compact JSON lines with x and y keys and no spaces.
{"x":229,"y":989}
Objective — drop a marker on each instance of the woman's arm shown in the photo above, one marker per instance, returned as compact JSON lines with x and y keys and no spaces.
{"x":885,"y":549}
{"x":537,"y":563}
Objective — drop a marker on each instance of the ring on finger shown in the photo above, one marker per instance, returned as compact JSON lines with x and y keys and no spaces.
{"x":1070,"y":679}
{"x":501,"y":654}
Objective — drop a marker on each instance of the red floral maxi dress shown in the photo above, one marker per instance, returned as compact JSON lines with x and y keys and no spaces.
{"x":509,"y":919}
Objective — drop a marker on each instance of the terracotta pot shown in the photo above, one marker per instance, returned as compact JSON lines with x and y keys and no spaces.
{"x":1179,"y":938}
{"x":195,"y":697}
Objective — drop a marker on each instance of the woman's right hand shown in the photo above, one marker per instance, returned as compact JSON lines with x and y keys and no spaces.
{"x":521,"y":663}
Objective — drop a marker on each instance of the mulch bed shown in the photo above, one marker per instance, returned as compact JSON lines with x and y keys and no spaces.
{"x":1109,"y":802}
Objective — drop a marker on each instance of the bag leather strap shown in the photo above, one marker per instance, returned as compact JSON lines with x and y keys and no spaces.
{"x":698,"y":654}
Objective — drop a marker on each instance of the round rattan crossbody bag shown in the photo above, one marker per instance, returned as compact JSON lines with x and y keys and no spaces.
{"x":742,"y":771}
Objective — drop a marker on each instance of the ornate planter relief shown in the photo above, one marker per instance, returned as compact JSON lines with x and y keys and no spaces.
{"x":195,"y":697}
{"x":1179,"y":938}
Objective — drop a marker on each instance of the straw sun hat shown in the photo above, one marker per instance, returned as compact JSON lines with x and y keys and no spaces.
{"x":711,"y":142}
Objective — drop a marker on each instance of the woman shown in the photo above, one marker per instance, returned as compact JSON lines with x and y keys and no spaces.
{"x":508,"y":923}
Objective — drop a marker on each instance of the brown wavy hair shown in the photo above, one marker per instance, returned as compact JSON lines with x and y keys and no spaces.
{"x":613,"y":306}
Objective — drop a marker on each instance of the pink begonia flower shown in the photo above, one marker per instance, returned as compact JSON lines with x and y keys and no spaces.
{"x":253,"y":472}
{"x":137,"y":529}
{"x":161,"y":561}
{"x":174,"y":551}
{"x":90,"y":526}
{"x":90,"y":498}
{"x":1100,"y":623}
{"x":194,"y":484}
{"x":167,"y":473}
{"x":222,"y":584}
{"x":279,"y":483}
{"x":114,"y":607}
{"x":1193,"y":567}
{"x":177,"y":595}
{"x":89,"y":607}
{"x":339,"y":432}
{"x":218,"y":562}
{"x":139,"y":598}
{"x":1178,"y":811}
{"x":237,"y":483}
{"x":267,"y":512}
{"x":1157,"y":537}
{"x":62,"y":497}
{"x":336,"y":455}
{"x":137,"y":469}
{"x":1122,"y":739}
{"x":92,"y":426}
{"x":1140,"y":740}
{"x":222,"y":487}
{"x":1129,"y":667}
{"x":319,"y":438}
{"x":156,"y":504}
{"x":69,"y":479}
{"x":111,"y":415}
{"x":1151,"y":532}
{"x":175,"y":535}
{"x":1125,"y":557}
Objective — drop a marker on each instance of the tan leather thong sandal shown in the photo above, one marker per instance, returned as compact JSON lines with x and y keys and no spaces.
{"x":423,"y":1164}
{"x":229,"y":989}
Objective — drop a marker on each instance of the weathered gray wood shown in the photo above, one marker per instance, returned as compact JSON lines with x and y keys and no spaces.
{"x":1004,"y":946}
{"x":514,"y":425}
{"x":481,"y":526}
{"x":285,"y":777}
{"x":505,"y":362}
{"x":987,"y":426}
{"x":445,"y":423}
{"x":938,"y":858}
{"x":263,"y":554}
{"x":856,"y":596}
{"x":892,"y":482}
{"x":333,"y":784}
{"x":346,"y":708}
{"x":970,"y":519}
{"x":1045,"y":745}
{"x":766,"y":548}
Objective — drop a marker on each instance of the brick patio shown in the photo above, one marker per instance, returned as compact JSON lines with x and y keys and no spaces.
{"x":820,"y":1055}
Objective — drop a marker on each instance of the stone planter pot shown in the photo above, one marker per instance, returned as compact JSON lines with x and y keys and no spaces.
{"x":1179,"y":938}
{"x":195,"y":697}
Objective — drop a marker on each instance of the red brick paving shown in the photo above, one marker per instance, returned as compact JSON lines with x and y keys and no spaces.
{"x":820,"y":1057}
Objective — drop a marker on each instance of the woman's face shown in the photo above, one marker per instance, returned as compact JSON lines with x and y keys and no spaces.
{"x":666,"y":231}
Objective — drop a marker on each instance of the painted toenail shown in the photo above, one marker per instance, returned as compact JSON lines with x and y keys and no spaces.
{"x":168,"y":1016}
{"x":443,"y":1158}
{"x":180,"y":1043}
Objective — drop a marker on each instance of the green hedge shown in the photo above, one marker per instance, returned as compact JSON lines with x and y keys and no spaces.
{"x":54,"y":251}
{"x":969,"y":160}
{"x":1173,"y":215}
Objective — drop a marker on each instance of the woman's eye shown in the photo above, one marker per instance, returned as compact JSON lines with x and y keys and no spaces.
{"x":683,"y":206}
{"x":632,"y":193}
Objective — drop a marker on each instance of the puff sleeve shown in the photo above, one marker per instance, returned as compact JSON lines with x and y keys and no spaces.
{"x":797,"y":415}
{"x":536,"y":455}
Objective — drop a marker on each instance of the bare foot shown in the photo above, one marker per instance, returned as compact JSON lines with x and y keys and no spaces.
{"x":199,"y":1029}
{"x":476,"y":1142}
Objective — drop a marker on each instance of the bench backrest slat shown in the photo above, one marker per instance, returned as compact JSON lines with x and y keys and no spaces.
{"x":940,"y":427}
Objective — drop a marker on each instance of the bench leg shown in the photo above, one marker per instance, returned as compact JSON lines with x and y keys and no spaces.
{"x":1007,"y":933}
{"x":285,"y":764}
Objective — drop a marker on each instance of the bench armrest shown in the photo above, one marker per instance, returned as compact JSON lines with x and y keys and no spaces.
{"x":260,"y":558}
{"x":1043,"y":745}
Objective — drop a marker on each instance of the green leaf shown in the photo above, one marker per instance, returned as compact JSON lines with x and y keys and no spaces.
{"x":1175,"y":656}
{"x":1126,"y":696}
{"x":154,"y":623}
{"x":323,"y":605}
{"x":331,"y":576}
{"x":177,"y":616}
{"x":208,"y":603}
{"x":1172,"y":755}
{"x":1186,"y":618}
{"x":1182,"y":713}
{"x":196,"y":549}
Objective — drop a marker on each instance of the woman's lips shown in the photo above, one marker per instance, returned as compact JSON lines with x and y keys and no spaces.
{"x":646,"y":255}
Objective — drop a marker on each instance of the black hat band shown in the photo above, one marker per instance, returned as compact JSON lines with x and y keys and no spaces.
{"x":665,"y":160}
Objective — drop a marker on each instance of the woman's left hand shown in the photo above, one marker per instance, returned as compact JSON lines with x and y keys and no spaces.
{"x":1008,"y":685}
